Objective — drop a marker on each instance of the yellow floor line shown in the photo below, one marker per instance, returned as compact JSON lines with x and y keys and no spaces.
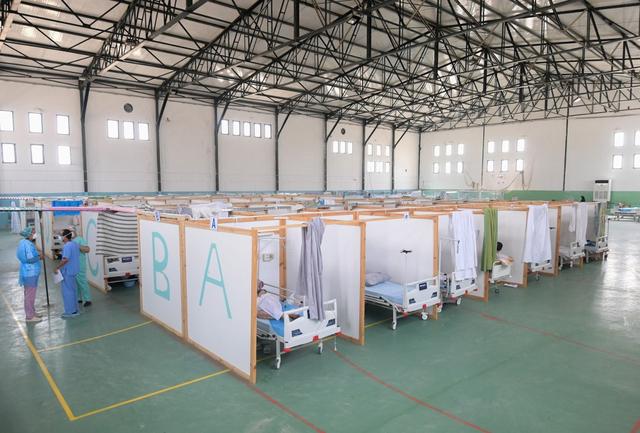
{"x":151,"y":394}
{"x":98,"y":337}
{"x":41,"y":364}
{"x":371,"y":325}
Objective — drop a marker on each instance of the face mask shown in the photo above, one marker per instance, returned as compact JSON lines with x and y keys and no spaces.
{"x":34,"y":237}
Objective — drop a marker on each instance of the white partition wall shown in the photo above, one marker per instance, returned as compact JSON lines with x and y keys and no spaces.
{"x":482,"y":282}
{"x":95,"y":263}
{"x":512,"y":226}
{"x":342,"y":276}
{"x":221,"y":295}
{"x":554,"y":226}
{"x":160,"y":272}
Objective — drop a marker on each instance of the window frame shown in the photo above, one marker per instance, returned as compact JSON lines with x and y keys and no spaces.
{"x":387,"y":150}
{"x":448,"y":149}
{"x":436,"y":168}
{"x":66,"y":116}
{"x":349,"y":148}
{"x":492,"y":163}
{"x":613,"y":161}
{"x":637,"y":138}
{"x":504,"y":165}
{"x":491,"y":146}
{"x":460,"y":167}
{"x":224,"y":125}
{"x":124,"y":130}
{"x":460,"y":149}
{"x":447,"y":167}
{"x":15,"y":153}
{"x":257,"y":130}
{"x":369,"y":149}
{"x":235,"y":123}
{"x":379,"y":167}
{"x":524,"y":145}
{"x":140,"y":131}
{"x":335,"y":146}
{"x":41,"y":117}
{"x":520,"y":161}
{"x":246,"y":129}
{"x":636,"y":160}
{"x":436,"y":151}
{"x":13,"y":121}
{"x":371,"y":167}
{"x":387,"y":167}
{"x":616,"y":134}
{"x":266,"y":129}
{"x":60,"y":146}
{"x":31,"y":147}
{"x":117,"y":136}
{"x":503,"y":147}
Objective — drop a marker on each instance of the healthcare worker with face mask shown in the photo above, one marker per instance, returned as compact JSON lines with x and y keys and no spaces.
{"x":70,"y":267}
{"x":29,"y":272}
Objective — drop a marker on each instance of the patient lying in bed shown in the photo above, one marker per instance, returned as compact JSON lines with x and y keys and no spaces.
{"x":501,"y":257}
{"x":269,"y":305}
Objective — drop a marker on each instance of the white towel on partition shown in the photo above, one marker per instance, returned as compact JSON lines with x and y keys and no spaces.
{"x":466,"y":258}
{"x":537,"y":242}
{"x":581,"y":223}
{"x":16,"y":221}
{"x":572,"y":218}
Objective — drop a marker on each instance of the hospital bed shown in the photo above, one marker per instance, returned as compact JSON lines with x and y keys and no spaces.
{"x":571,"y":254}
{"x":289,"y":333}
{"x":405,"y":298}
{"x":597,"y":247}
{"x":499,"y":272}
{"x":632,"y":213}
{"x":452,"y":288}
{"x":120,"y":269}
{"x":536,"y":268}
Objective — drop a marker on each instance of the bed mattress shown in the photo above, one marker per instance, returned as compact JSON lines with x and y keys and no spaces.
{"x":388,"y":290}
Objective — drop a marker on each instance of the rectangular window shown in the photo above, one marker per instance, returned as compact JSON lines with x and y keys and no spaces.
{"x":370,"y":166}
{"x":505,"y":146}
{"x":637,"y":139}
{"x":504,"y":165}
{"x":143,"y":131}
{"x":9,"y":153}
{"x":37,"y":154}
{"x":64,"y":155}
{"x":224,"y":127}
{"x":436,"y":151}
{"x":35,"y":123}
{"x":447,"y":167}
{"x":461,"y":149}
{"x":387,"y":151}
{"x":490,"y":166}
{"x":436,"y":168}
{"x":387,"y":167}
{"x":636,"y":160}
{"x":62,"y":124}
{"x":112,"y":129}
{"x":617,"y":162}
{"x":246,"y":129}
{"x":235,"y":127}
{"x":335,"y":147}
{"x":349,"y":148}
{"x":618,"y":139}
{"x":519,"y":164}
{"x":257,"y":130}
{"x":6,"y":120}
{"x":378,"y":166}
{"x":370,"y":149}
{"x":343,"y":147}
{"x":459,"y":167}
{"x":448,"y":150}
{"x":378,"y":150}
{"x":520,"y":145}
{"x":127,"y":130}
{"x":491,"y":147}
{"x":267,"y":130}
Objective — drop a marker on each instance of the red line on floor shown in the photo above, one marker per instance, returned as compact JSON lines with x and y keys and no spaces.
{"x":636,"y":427}
{"x":616,"y":355}
{"x":409,"y":396}
{"x":284,"y":408}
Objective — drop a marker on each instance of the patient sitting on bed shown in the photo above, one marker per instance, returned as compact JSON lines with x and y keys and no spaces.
{"x":269,"y":305}
{"x":501,"y":257}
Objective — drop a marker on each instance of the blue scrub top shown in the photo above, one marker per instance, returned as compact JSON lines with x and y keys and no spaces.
{"x":29,"y":260}
{"x":71,"y":252}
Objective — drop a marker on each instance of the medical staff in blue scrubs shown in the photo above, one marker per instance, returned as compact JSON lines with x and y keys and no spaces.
{"x":70,"y":267}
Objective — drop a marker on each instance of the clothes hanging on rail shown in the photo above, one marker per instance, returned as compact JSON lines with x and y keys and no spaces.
{"x":581,"y":223}
{"x":117,"y":234}
{"x":466,"y":257}
{"x":537,"y":243}
{"x":490,"y":239}
{"x":310,"y":274}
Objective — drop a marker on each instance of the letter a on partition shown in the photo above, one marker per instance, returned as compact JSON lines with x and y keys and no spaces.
{"x":215,"y":281}
{"x":160,"y":265}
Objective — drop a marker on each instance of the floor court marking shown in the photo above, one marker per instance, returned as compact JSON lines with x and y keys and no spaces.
{"x":614,"y":355}
{"x":636,"y":427}
{"x":97,"y":337}
{"x":397,"y":390}
{"x":45,"y":371}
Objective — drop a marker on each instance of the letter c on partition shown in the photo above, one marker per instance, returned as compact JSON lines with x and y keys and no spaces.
{"x":160,"y":265}
{"x":215,"y":281}
{"x":92,"y":268}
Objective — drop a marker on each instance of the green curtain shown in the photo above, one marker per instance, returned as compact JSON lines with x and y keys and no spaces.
{"x":490,"y":239}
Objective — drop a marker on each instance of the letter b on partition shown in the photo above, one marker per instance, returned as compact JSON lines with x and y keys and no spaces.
{"x":159,"y":265}
{"x":217,"y":279}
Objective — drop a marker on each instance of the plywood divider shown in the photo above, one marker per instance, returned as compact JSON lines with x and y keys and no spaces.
{"x":282,"y":243}
{"x":363,"y":257}
{"x":183,"y":278}
{"x":254,"y":320}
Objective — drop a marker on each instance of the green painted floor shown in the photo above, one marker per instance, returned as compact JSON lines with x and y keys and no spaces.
{"x":560,"y":356}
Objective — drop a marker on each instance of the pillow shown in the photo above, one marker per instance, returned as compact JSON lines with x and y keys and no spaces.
{"x":373,"y":278}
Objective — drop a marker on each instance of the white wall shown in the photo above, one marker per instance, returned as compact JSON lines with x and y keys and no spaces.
{"x":247,"y":163}
{"x":23,"y":176}
{"x":187,"y":149}
{"x":591,"y":151}
{"x":406,"y":161}
{"x":344,"y":171}
{"x":301,"y":153}
{"x":116,"y":165}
